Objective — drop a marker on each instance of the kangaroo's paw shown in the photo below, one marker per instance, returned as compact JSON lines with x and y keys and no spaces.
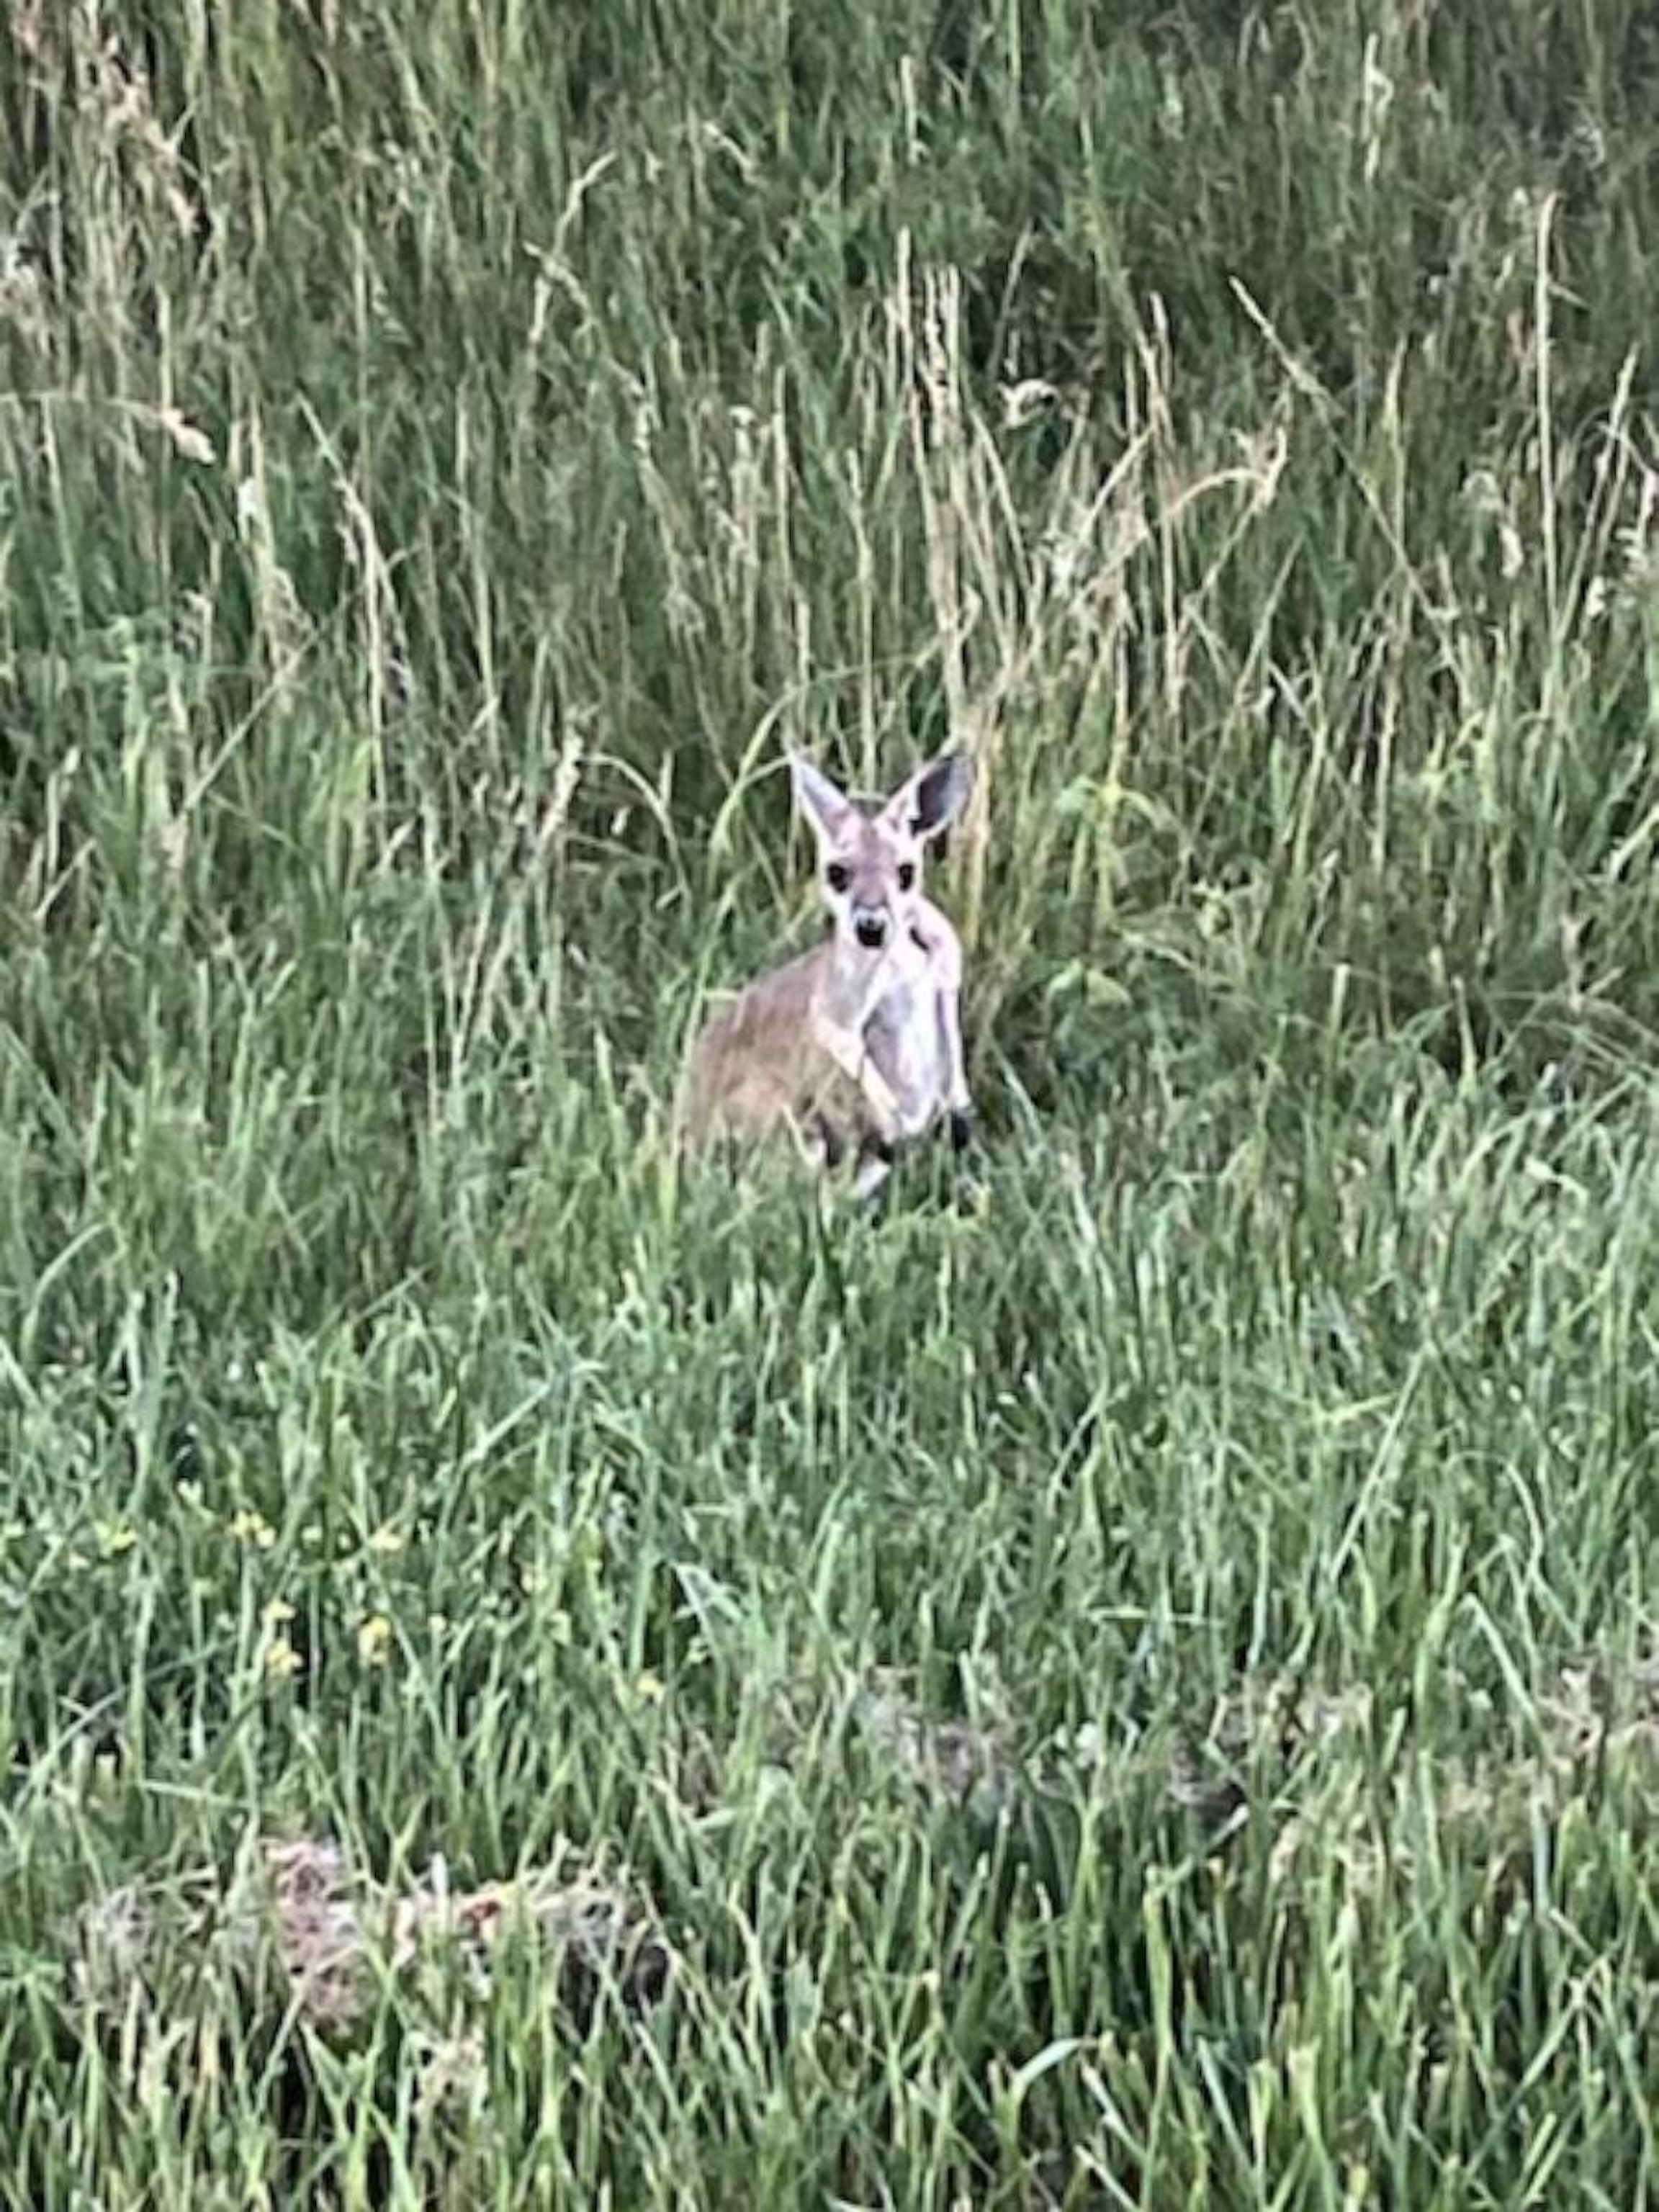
{"x":874,"y":1167}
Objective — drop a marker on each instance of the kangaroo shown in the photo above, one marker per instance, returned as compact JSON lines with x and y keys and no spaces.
{"x":856,"y":1044}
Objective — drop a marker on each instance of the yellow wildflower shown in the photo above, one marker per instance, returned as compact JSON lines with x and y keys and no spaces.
{"x":374,"y":1637}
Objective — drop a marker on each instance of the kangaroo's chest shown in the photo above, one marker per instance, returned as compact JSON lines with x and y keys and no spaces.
{"x":902,"y":1031}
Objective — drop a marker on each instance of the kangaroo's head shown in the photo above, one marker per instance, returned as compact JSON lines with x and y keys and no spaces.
{"x":870,"y":850}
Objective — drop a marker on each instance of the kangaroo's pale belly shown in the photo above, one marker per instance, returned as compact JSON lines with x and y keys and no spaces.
{"x":906,"y":1041}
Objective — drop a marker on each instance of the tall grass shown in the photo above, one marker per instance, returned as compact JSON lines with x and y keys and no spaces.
{"x":1131,"y":1683}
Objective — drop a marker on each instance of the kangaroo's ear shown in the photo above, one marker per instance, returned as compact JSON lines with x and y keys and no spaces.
{"x":934,"y":796}
{"x":822,"y":801}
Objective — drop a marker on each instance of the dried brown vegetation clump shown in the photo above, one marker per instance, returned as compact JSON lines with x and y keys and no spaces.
{"x":302,"y":1928}
{"x":958,"y":1762}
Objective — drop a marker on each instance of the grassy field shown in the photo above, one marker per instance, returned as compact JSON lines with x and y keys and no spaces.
{"x":1129,"y":1679}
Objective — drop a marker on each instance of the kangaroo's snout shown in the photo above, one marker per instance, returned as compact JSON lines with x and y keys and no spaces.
{"x":871,"y":930}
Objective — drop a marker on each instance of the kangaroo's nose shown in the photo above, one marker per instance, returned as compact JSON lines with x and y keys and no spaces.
{"x":871,"y":930}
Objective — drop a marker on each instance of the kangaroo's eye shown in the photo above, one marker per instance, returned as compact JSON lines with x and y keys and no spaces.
{"x":837,"y":877}
{"x":907,"y":874}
